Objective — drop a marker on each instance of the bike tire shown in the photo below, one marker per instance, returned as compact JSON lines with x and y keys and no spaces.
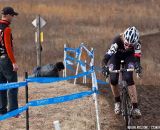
{"x":125,"y":108}
{"x":129,"y":107}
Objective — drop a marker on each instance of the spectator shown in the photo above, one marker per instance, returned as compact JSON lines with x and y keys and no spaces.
{"x":8,"y":66}
{"x":49,"y":70}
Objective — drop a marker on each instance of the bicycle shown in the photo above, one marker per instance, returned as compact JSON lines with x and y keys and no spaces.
{"x":126,"y":106}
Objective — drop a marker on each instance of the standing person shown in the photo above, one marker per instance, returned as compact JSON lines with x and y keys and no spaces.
{"x":8,"y":66}
{"x":127,"y":47}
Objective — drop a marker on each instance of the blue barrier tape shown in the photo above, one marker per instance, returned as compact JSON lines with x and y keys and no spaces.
{"x":98,"y":80}
{"x":50,"y":80}
{"x":48,"y":101}
{"x":89,"y":53}
{"x":14,"y":112}
{"x":101,"y":82}
{"x":83,"y":68}
{"x":70,"y":68}
{"x":69,"y":62}
{"x":71,"y":49}
{"x":74,"y":59}
{"x":78,"y":51}
{"x":60,"y":99}
{"x":81,"y":62}
{"x":94,"y":67}
{"x":94,"y":89}
{"x":5,"y":86}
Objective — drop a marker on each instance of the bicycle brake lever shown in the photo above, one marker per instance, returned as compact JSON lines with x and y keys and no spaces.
{"x":139,"y":76}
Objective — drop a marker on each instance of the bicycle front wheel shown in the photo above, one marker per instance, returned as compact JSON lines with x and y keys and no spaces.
{"x":125,"y":108}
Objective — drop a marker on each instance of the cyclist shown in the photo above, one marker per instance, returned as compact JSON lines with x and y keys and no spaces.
{"x":127,"y":47}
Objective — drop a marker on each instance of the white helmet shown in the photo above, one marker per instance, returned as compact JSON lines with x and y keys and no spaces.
{"x":131,"y":34}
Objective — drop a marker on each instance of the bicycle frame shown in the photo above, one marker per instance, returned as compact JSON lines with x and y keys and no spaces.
{"x":126,"y":107}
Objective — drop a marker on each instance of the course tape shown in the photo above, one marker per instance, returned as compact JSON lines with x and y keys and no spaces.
{"x":50,"y":80}
{"x":14,"y":112}
{"x":99,"y":81}
{"x":89,"y":53}
{"x":84,"y":70}
{"x":47,"y":101}
{"x":69,"y":62}
{"x":70,"y":68}
{"x":60,"y":99}
{"x":77,"y":50}
{"x":71,"y":49}
{"x":74,"y":59}
{"x":99,"y":69}
{"x":5,"y":86}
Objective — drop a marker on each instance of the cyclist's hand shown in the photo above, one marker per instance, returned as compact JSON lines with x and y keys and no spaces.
{"x":138,"y":69}
{"x":105,"y":71}
{"x":139,"y":75}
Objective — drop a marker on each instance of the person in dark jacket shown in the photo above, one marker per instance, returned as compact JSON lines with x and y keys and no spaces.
{"x":126,"y":47}
{"x":8,"y":65}
{"x":49,"y":70}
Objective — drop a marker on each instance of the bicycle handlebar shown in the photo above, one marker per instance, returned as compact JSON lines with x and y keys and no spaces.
{"x":124,"y":70}
{"x":121,"y":70}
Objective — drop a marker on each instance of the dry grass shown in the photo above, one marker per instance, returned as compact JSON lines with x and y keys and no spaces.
{"x":74,"y":21}
{"x":73,"y":115}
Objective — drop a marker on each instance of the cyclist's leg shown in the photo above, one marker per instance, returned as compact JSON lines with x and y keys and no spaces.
{"x":129,"y":63}
{"x":114,"y":65}
{"x":131,"y":85}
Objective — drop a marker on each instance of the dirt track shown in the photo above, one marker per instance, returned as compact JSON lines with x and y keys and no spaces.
{"x":149,"y":98}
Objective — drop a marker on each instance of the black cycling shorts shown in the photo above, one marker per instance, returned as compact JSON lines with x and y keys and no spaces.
{"x":114,"y":64}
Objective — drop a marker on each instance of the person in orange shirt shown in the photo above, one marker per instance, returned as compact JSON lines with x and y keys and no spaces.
{"x":8,"y":65}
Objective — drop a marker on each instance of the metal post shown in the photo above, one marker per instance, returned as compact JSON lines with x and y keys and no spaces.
{"x":65,"y":69}
{"x":95,"y":86}
{"x":38,"y":45}
{"x":79,"y":57}
{"x":85,"y":77}
{"x":27,"y":111}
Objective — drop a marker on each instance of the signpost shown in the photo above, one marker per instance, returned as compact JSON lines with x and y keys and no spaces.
{"x":39,"y":22}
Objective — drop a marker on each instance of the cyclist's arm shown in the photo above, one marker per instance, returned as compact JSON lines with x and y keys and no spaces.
{"x":112,"y":50}
{"x":137,"y":52}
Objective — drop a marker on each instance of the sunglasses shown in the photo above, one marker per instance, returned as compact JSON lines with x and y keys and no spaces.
{"x":10,"y":14}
